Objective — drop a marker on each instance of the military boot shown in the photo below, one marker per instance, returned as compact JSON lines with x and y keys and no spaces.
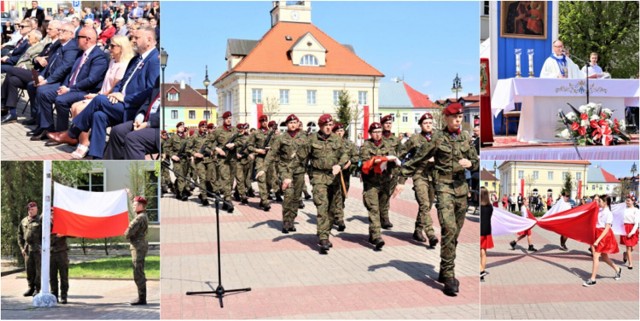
{"x":141,"y":300}
{"x":265,"y":206}
{"x":236,"y":196}
{"x":341,"y":226}
{"x":324,"y":246}
{"x":285,"y":227}
{"x":227,"y":206}
{"x":450,"y":287}
{"x":292,"y":227}
{"x":386,"y":224}
{"x":205,"y":202}
{"x":379,"y":243}
{"x":417,"y":235}
{"x":244,"y":200}
{"x":531,"y":248}
{"x":301,"y":205}
{"x":307,"y":196}
{"x":279,"y":197}
{"x":251,"y":193}
{"x":433,"y":241}
{"x":29,"y":292}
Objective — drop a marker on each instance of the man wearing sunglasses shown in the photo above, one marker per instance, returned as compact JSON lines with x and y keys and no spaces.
{"x":22,"y":46}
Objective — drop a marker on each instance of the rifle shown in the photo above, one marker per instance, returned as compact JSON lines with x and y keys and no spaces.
{"x":268,"y":139}
{"x":230,"y":141}
{"x":204,"y":151}
{"x":409,"y":155}
{"x":182,"y":153}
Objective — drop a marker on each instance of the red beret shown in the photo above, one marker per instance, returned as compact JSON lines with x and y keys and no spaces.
{"x":226,"y":114}
{"x":337,"y":126}
{"x":32,"y":204}
{"x":386,"y":118}
{"x":242,"y":126}
{"x":210,"y":125}
{"x":263,"y":118}
{"x":179,"y":124}
{"x":162,"y":132}
{"x":324,"y":119}
{"x":273,"y":124}
{"x":191,"y":131}
{"x":453,"y":109}
{"x":140,"y":199}
{"x":374,"y":126}
{"x":202,"y":123}
{"x":291,"y":117}
{"x":425,"y":116}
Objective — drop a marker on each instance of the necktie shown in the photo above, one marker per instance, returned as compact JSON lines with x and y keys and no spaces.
{"x":19,"y":42}
{"x":72,"y":81}
{"x":153,"y":107}
{"x":131,"y":73}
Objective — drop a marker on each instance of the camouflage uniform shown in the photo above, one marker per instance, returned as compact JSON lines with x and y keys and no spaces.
{"x":451,"y":188}
{"x":289,"y":165}
{"x":198,"y":144}
{"x":353,"y":155}
{"x":30,"y":240}
{"x":59,"y":265}
{"x":166,"y":177}
{"x":377,"y":187}
{"x":323,"y":153}
{"x":422,"y":184}
{"x":396,"y":146}
{"x":257,"y":141}
{"x":243,"y":163}
{"x":178,"y":146}
{"x":225,"y":164}
{"x":136,"y":235}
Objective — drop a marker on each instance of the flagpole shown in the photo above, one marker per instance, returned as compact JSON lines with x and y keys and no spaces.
{"x":45,"y":298}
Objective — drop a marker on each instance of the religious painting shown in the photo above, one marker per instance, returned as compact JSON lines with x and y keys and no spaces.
{"x":524,"y":19}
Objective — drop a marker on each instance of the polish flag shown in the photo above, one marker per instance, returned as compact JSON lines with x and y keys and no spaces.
{"x":380,"y":167}
{"x":89,"y":214}
{"x":504,"y":222}
{"x":578,"y":223}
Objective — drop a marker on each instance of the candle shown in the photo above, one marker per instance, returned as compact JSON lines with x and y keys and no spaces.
{"x":530,"y":54}
{"x":518,"y":53}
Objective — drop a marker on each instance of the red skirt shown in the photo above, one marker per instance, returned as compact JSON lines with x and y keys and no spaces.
{"x":525,"y":232}
{"x":486,"y":242}
{"x":629,"y":241}
{"x":608,"y":243}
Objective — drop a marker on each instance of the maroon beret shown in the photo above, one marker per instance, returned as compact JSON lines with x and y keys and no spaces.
{"x":337,"y":126}
{"x":324,"y":119}
{"x":263,"y":118}
{"x":32,"y":204}
{"x":425,"y":116}
{"x":240,"y":126}
{"x":374,"y":126}
{"x":291,"y":117}
{"x":273,"y":124}
{"x":140,"y":199}
{"x":179,"y":124}
{"x":226,"y":115}
{"x":453,"y":109}
{"x":202,"y":123}
{"x":210,"y":125}
{"x":163,"y":132}
{"x":386,"y":118}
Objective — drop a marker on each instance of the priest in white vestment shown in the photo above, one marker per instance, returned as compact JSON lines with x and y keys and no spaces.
{"x":558,"y":65}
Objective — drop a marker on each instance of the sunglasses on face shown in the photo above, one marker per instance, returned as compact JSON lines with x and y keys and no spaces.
{"x":83,"y":37}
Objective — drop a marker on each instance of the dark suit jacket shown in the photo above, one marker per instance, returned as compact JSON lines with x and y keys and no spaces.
{"x":48,"y":50}
{"x":91,"y":74}
{"x":61,"y":62}
{"x":141,"y":84}
{"x":39,"y":15}
{"x":17,"y":52}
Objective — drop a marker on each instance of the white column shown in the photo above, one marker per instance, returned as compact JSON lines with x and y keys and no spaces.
{"x":45,"y":298}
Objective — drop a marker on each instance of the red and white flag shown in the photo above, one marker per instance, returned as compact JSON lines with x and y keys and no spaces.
{"x":578,"y":223}
{"x":504,"y":222}
{"x":89,"y":214}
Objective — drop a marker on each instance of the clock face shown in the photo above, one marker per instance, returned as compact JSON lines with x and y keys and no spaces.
{"x":294,"y":15}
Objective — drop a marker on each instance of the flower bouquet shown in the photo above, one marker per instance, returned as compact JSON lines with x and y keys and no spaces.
{"x":591,"y":124}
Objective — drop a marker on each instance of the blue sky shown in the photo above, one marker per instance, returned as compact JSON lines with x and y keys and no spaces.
{"x":427,"y":43}
{"x":617,"y":168}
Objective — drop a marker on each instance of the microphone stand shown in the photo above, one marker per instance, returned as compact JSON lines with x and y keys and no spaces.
{"x":586,"y":68}
{"x":220,"y":291}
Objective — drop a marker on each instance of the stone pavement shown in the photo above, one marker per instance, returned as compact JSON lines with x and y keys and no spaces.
{"x":291,"y":280}
{"x":548,"y":284}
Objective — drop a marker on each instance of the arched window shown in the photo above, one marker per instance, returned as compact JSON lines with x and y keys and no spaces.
{"x":309,"y":60}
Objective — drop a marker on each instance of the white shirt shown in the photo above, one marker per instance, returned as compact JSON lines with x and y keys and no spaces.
{"x":632,"y":216}
{"x":593,"y":70}
{"x":604,"y":217}
{"x":551,"y":69}
{"x":523,"y":212}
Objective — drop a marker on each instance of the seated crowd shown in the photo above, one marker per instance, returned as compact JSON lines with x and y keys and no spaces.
{"x":105,"y":80}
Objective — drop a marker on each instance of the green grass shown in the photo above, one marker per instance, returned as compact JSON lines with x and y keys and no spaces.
{"x":114,"y":268}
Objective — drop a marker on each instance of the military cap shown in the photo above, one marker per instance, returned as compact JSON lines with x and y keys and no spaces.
{"x":32,"y":204}
{"x":226,"y":115}
{"x":386,"y":118}
{"x":291,"y":117}
{"x":179,"y":124}
{"x":273,"y":124}
{"x":337,"y":126}
{"x":374,"y":126}
{"x":210,"y":125}
{"x":163,"y":132}
{"x":453,"y":109}
{"x":202,"y":123}
{"x":263,"y":118}
{"x":324,"y":119}
{"x":425,"y":116}
{"x":140,"y":199}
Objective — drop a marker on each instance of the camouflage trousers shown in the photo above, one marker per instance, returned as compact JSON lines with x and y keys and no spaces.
{"x":262,"y":181}
{"x":166,"y":177}
{"x":292,"y":198}
{"x":375,"y":194}
{"x":202,"y":173}
{"x":180,"y":168}
{"x":273,"y":180}
{"x":424,"y":195}
{"x":59,"y":266}
{"x":32,"y":266}
{"x":325,"y":197}
{"x":138,"y":253}
{"x":242,"y":172}
{"x":224,"y":168}
{"x":338,"y":211}
{"x":384,"y":203}
{"x":451,"y":214}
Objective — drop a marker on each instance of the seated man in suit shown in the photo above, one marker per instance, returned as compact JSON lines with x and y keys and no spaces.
{"x":123,"y":102}
{"x":21,"y":47}
{"x":86,"y":77}
{"x":136,"y":138}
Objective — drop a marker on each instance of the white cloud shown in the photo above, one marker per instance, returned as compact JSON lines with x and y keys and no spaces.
{"x":180,"y":76}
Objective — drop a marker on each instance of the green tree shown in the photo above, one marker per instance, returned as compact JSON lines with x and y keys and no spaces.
{"x":143,"y":182}
{"x":21,"y":183}
{"x":567,"y":186}
{"x":609,"y":28}
{"x":345,"y":111}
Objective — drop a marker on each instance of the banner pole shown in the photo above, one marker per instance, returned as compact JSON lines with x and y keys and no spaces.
{"x":45,"y":298}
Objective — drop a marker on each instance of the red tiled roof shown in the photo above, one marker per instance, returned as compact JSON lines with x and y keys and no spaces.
{"x":571,"y":162}
{"x":608,"y":177}
{"x":486,"y":175}
{"x":475,"y":104}
{"x":271,"y":54}
{"x":418,"y":99}
{"x":188,"y":97}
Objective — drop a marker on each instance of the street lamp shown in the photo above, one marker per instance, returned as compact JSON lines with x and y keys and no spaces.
{"x":457,"y":86}
{"x":206,"y":83}
{"x":164,"y":56}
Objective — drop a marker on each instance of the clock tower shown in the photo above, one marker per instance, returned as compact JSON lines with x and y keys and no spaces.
{"x":291,"y":11}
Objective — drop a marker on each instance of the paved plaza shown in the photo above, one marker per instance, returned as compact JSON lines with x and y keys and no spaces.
{"x":548,"y":284}
{"x":291,"y":280}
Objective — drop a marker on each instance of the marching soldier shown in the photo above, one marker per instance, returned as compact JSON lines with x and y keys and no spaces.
{"x":290,"y":169}
{"x":243,"y":162}
{"x":272,"y":172}
{"x":136,"y":235}
{"x":59,"y":265}
{"x":29,"y":240}
{"x":223,"y":141}
{"x":422,"y":180}
{"x":211,"y":167}
{"x":327,"y":157}
{"x":177,"y":149}
{"x":166,"y":177}
{"x":376,"y":184}
{"x":396,"y":146}
{"x":259,"y":146}
{"x":453,"y":153}
{"x":201,"y":158}
{"x":353,"y":155}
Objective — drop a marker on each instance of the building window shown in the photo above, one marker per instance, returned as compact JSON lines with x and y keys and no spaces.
{"x":174,"y":114}
{"x":311,"y":97}
{"x":535,"y":175}
{"x":93,"y":182}
{"x":550,"y":175}
{"x":308,"y":60}
{"x":192,"y":114}
{"x":520,"y":174}
{"x":173,"y":96}
{"x":336,"y":97}
{"x":579,"y":176}
{"x":564,"y":175}
{"x":207,"y":115}
{"x":593,"y":187}
{"x":284,"y":96}
{"x":416,"y":117}
{"x":485,"y":8}
{"x":256,"y":96}
{"x":405,"y":117}
{"x":362,"y":98}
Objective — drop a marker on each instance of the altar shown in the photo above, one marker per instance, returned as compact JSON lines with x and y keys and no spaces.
{"x":542,"y":98}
